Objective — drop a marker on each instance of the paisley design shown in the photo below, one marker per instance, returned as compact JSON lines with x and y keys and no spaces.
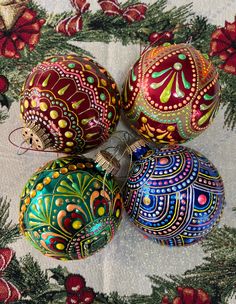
{"x":69,"y":210}
{"x":69,"y":104}
{"x":174,"y":195}
{"x":172,"y":94}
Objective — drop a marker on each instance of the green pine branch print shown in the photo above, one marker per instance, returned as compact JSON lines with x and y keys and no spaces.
{"x":100,"y":27}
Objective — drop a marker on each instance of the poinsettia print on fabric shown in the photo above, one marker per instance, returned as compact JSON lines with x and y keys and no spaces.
{"x":73,"y":24}
{"x":131,"y":13}
{"x":4,"y":84}
{"x":223,"y":44}
{"x":26,"y":31}
{"x":188,"y":295}
{"x":77,"y":292}
{"x":8,"y":292}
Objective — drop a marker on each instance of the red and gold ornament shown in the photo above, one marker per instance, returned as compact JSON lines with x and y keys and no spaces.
{"x":69,"y":104}
{"x":172,"y":93}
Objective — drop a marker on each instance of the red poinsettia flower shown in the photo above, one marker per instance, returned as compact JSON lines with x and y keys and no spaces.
{"x":223,"y":44}
{"x":110,"y":7}
{"x":8,"y":292}
{"x":4,"y":84}
{"x":26,"y":31}
{"x":135,"y":12}
{"x":189,"y":295}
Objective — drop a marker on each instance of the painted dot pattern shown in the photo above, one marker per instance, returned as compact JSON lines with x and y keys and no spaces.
{"x":174,"y":195}
{"x":68,"y":210}
{"x":171,"y":94}
{"x":72,"y":99}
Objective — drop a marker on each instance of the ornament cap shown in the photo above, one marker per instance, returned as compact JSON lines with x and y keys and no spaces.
{"x":136,"y":145}
{"x":108,"y":162}
{"x":36,"y":136}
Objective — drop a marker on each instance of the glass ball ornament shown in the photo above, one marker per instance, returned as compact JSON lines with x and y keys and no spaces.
{"x":72,"y":207}
{"x":69,"y":104}
{"x":174,"y":195}
{"x":171,"y":94}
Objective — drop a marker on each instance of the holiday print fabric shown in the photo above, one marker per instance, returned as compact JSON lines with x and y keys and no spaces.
{"x":131,"y":269}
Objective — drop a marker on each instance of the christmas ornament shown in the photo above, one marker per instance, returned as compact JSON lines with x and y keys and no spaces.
{"x":223,"y":44}
{"x":19,"y":26}
{"x":72,"y":207}
{"x":69,"y":104}
{"x":8,"y":292}
{"x":174,"y":195}
{"x":131,"y":13}
{"x":73,"y":24}
{"x":171,"y":94}
{"x":189,"y":295}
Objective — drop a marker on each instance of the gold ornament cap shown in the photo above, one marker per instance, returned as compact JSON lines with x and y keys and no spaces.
{"x":36,"y":136}
{"x":108,"y":162}
{"x":136,"y":145}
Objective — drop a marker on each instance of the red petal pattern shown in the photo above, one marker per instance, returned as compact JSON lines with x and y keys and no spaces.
{"x":26,"y":31}
{"x":110,"y":7}
{"x":135,"y":12}
{"x":223,"y":44}
{"x":6,"y":254}
{"x":81,"y":6}
{"x":70,"y":26}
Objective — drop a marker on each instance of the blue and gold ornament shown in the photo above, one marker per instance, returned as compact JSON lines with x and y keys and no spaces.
{"x":174,"y":195}
{"x":71,"y":207}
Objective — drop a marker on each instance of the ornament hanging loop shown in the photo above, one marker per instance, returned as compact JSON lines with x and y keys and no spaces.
{"x":25,"y":150}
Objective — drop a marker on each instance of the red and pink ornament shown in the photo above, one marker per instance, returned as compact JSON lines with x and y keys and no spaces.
{"x":172,"y":93}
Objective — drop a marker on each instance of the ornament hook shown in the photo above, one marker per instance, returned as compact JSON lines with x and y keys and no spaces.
{"x":22,"y":148}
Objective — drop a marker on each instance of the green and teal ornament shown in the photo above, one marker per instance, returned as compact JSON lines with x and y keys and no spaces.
{"x":172,"y":93}
{"x":72,"y":207}
{"x":174,"y":195}
{"x":69,"y":104}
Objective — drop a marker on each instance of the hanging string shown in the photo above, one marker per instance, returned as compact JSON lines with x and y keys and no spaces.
{"x":125,"y":139}
{"x":20,"y":147}
{"x":24,"y":149}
